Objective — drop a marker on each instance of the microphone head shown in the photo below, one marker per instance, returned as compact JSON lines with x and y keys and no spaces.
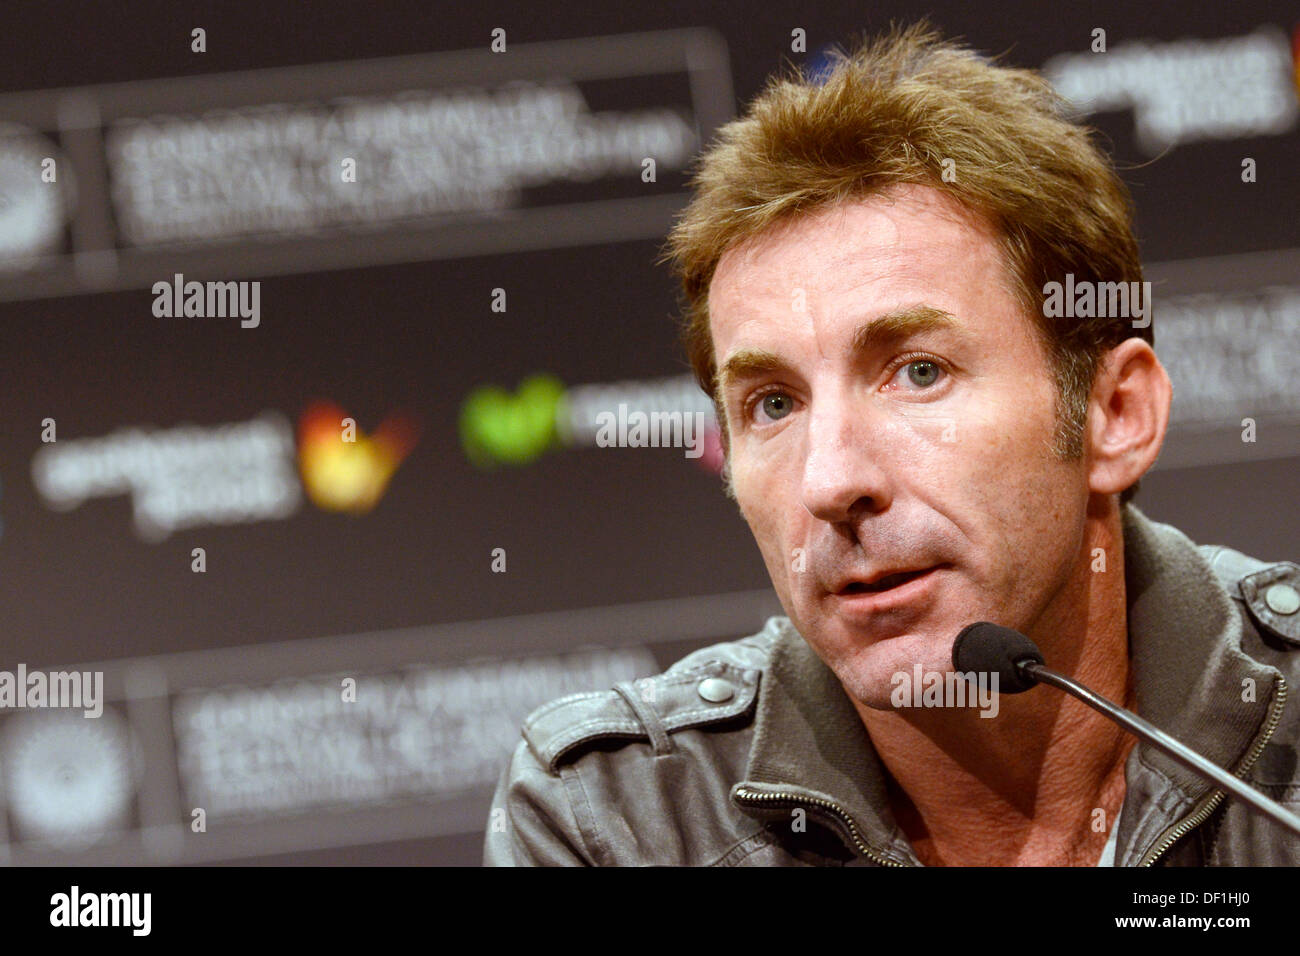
{"x":993,"y":649}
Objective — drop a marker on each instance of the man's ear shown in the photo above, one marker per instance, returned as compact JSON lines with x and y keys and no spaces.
{"x":1128,"y":414}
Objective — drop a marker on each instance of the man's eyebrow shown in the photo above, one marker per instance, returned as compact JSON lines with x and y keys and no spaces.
{"x":747,"y":363}
{"x":903,"y":323}
{"x":871,"y":336}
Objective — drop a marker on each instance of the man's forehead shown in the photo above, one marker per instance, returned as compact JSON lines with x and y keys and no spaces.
{"x":822,"y":252}
{"x":869,"y":275}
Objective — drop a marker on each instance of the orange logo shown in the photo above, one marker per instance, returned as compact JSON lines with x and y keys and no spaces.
{"x":343,"y":469}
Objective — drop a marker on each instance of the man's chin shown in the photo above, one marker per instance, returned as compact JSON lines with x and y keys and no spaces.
{"x":872,"y":674}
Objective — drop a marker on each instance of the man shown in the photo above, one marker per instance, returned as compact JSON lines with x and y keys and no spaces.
{"x":919,"y":440}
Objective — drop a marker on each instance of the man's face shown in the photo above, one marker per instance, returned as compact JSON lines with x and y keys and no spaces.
{"x":891,"y":409}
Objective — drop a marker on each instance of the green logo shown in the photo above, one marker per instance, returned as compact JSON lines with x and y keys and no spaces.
{"x":497,"y":427}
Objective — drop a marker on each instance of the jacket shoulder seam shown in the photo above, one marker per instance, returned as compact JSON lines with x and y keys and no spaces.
{"x":1249,"y":582}
{"x":678,"y":698}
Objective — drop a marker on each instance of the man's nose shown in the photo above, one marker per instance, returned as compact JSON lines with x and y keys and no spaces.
{"x":844,"y":471}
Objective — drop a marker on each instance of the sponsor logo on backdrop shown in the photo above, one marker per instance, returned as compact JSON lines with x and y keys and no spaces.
{"x":36,"y":197}
{"x":259,"y":751}
{"x":342,"y":468}
{"x":287,"y":169}
{"x":390,"y":744}
{"x":68,"y":782}
{"x":335,"y":165}
{"x":183,"y":477}
{"x":194,"y":476}
{"x":1184,"y":91}
{"x":498,"y":427}
{"x":1225,"y":355}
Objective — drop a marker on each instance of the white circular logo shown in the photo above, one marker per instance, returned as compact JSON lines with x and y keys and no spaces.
{"x":33,"y":212}
{"x":69,"y":777}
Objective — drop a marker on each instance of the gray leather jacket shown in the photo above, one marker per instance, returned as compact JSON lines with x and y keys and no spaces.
{"x":705,"y":764}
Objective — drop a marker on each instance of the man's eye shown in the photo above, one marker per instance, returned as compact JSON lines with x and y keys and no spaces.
{"x":776,"y":405}
{"x":922,"y":372}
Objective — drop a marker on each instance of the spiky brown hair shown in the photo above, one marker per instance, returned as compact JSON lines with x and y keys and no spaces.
{"x":890,"y":113}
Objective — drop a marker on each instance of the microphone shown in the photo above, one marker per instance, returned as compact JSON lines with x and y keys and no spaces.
{"x":990,"y":648}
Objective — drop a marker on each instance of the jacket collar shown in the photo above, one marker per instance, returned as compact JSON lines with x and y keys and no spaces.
{"x":1188,"y":671}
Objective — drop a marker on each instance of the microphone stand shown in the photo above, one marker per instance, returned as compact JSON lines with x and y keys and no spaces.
{"x":1158,"y":738}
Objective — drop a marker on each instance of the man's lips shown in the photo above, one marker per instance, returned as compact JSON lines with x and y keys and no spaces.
{"x":861,"y":601}
{"x":879,"y":581}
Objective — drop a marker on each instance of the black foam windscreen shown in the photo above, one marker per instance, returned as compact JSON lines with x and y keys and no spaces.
{"x":984,"y":647}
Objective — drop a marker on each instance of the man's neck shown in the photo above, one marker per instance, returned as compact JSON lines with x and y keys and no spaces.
{"x":1040,"y":783}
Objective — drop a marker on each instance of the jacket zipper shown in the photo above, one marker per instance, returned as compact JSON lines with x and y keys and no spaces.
{"x":1208,"y":806}
{"x":756,"y":796}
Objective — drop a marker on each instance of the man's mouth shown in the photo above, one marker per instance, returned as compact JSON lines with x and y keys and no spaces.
{"x":861,"y":600}
{"x":885,"y":583}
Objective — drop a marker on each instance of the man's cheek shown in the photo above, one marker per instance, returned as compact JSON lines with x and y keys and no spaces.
{"x":742,"y":487}
{"x":965,"y":424}
{"x":751,"y":479}
{"x":760,"y":503}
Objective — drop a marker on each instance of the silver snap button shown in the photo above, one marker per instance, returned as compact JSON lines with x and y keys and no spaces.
{"x":716,"y":690}
{"x":1283,"y":599}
